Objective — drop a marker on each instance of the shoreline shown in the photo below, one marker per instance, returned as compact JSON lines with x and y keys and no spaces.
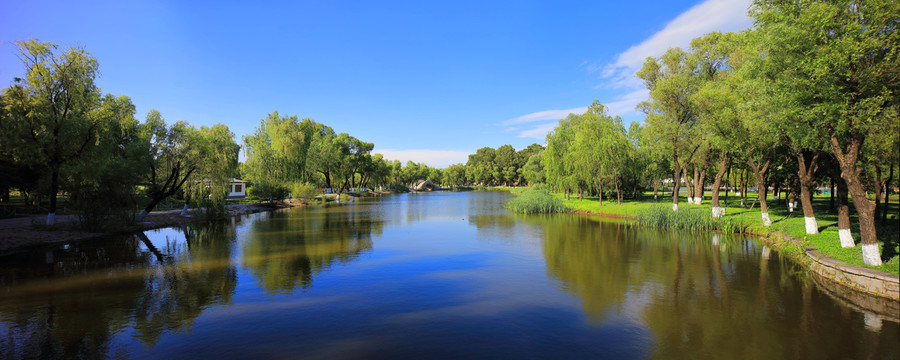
{"x":858,"y":279}
{"x":26,"y":233}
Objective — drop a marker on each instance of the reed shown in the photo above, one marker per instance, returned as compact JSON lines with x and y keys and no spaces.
{"x":697,"y":219}
{"x":536,"y":201}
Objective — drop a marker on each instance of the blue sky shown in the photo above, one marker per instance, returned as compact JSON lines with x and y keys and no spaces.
{"x":425,"y":81}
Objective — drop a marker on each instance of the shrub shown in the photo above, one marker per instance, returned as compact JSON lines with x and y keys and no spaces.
{"x":303,"y":190}
{"x":534,"y":201}
{"x":267,"y":191}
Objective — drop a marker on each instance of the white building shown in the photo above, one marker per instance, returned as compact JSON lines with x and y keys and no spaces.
{"x":237,"y":188}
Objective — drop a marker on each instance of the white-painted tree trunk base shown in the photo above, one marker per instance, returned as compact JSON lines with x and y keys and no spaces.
{"x":846,"y":238}
{"x":718,"y":212}
{"x":654,"y":197}
{"x":690,"y":200}
{"x":51,"y":218}
{"x":674,"y":207}
{"x":698,"y":200}
{"x":766,"y":252}
{"x":811,"y":226}
{"x":872,"y":321}
{"x":871,"y":255}
{"x":742,"y":202}
{"x":766,"y":220}
{"x":790,"y":207}
{"x":184,"y":210}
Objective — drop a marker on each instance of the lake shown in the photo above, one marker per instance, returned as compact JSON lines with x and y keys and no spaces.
{"x":436,"y":275}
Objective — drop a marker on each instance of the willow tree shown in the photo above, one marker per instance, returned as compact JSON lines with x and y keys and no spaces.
{"x":209,"y":185}
{"x":49,"y":109}
{"x":557,"y":159}
{"x":839,"y":60}
{"x":601,"y":147}
{"x":174,"y":154}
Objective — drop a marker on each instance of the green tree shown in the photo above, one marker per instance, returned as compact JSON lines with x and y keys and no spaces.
{"x":50,"y":109}
{"x":838,"y":59}
{"x":670,"y":114}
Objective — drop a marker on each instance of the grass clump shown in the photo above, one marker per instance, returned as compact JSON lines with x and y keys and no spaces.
{"x":693,"y":219}
{"x":536,"y":201}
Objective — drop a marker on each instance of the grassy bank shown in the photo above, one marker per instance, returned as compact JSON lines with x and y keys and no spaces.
{"x":739,"y":217}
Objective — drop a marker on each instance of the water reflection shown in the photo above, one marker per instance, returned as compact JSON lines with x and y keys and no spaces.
{"x":454,"y":272}
{"x":70,"y":302}
{"x":699,"y":295}
{"x":288,"y":249}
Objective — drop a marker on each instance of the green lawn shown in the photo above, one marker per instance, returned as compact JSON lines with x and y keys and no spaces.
{"x":784,"y":221}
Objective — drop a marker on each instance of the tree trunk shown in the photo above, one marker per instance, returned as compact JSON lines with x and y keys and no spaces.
{"x":879,"y":193}
{"x":618,"y":193}
{"x":831,"y":197}
{"x":699,"y":179}
{"x":743,"y":187}
{"x":600,"y":189}
{"x":844,"y":216}
{"x":656,"y":187}
{"x":865,"y":209}
{"x":54,"y":189}
{"x":690,"y":184}
{"x":807,"y":180}
{"x":676,"y":186}
{"x":759,"y":170}
{"x":718,"y":211}
{"x":887,"y":195}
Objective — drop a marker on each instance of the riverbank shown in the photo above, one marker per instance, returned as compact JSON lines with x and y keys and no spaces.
{"x":27,"y":232}
{"x":821,"y":253}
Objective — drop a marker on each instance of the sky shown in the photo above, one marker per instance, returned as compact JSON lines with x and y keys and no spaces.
{"x":425,"y":81}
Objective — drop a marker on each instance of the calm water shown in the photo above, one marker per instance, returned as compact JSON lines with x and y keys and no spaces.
{"x":442,"y":275}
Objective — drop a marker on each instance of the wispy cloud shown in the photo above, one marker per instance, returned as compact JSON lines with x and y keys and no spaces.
{"x":618,"y":74}
{"x":709,"y":16}
{"x":432,"y":158}
{"x":537,"y":124}
{"x":545,"y":115}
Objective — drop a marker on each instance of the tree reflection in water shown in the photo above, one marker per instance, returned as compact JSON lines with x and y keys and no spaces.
{"x":696,"y":292}
{"x":71,"y":301}
{"x":286,"y":251}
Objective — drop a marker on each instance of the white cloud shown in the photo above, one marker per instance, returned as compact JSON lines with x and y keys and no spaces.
{"x":545,"y":115}
{"x":538,"y":132}
{"x":432,"y":158}
{"x":712,"y":15}
{"x":624,"y":105}
{"x":709,"y":16}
